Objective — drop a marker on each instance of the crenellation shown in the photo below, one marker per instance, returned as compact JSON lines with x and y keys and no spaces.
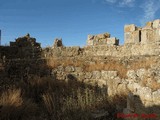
{"x":129,"y":28}
{"x":156,"y":23}
{"x":149,"y":34}
{"x":132,"y":34}
{"x":102,"y":39}
{"x":132,"y":68}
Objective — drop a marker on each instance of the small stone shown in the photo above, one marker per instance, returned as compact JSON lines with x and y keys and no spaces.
{"x":131,"y":74}
{"x":109,"y":74}
{"x":69,"y":69}
{"x":88,"y":75}
{"x":96,"y":75}
{"x":141,"y":73}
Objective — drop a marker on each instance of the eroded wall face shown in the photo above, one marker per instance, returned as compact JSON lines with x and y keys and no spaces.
{"x":88,"y":64}
{"x":102,"y":39}
{"x":149,"y":34}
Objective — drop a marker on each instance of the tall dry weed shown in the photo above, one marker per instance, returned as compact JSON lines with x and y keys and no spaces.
{"x":14,"y":107}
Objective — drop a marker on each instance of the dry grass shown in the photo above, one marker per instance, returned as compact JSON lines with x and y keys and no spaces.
{"x":109,"y":64}
{"x":14,"y":107}
{"x":80,"y":104}
{"x":12,"y":97}
{"x":55,"y":62}
{"x":146,"y":63}
{"x":59,"y":100}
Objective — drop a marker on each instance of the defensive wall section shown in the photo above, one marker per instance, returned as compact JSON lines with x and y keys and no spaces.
{"x":133,"y":67}
{"x":137,"y":41}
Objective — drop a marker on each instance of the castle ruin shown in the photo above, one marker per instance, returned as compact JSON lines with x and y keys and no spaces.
{"x":23,"y":47}
{"x":149,"y":34}
{"x":132,"y":67}
{"x":102,"y":39}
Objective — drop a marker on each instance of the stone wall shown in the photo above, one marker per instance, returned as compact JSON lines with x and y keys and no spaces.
{"x":141,"y":83}
{"x":23,"y":47}
{"x":138,"y":42}
{"x":148,"y":34}
{"x":102,"y":39}
{"x":114,"y":51}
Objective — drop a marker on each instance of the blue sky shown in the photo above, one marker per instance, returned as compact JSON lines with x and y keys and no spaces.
{"x":72,"y":20}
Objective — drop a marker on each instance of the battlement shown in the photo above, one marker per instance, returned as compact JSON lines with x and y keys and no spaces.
{"x":102,"y":39}
{"x":148,"y":34}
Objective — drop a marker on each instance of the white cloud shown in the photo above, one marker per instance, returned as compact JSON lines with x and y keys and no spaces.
{"x":122,"y":3}
{"x":150,"y":8}
{"x":111,"y":1}
{"x":128,"y":3}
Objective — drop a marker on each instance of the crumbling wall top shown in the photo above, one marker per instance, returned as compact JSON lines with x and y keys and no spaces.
{"x":148,"y":34}
{"x":25,"y":41}
{"x":58,"y":43}
{"x":102,"y":39}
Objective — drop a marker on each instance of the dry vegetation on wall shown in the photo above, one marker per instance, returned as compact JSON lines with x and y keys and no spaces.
{"x":45,"y":98}
{"x":104,"y":64}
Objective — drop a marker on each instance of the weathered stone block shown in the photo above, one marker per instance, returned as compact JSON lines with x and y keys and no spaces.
{"x":90,"y":42}
{"x":102,"y":83}
{"x":90,"y":37}
{"x":157,"y":36}
{"x":136,"y":36}
{"x":88,"y":75}
{"x":69,"y":69}
{"x":122,"y":89}
{"x":96,"y":75}
{"x":128,"y":37}
{"x":78,"y":69}
{"x":102,"y":36}
{"x":148,"y":36}
{"x":133,"y":37}
{"x":131,"y":74}
{"x":156,"y":96}
{"x":149,"y":24}
{"x":129,"y":28}
{"x":141,"y":73}
{"x":107,"y":35}
{"x":58,"y":43}
{"x":156,"y":23}
{"x":112,"y":41}
{"x":145,"y":93}
{"x":109,"y":74}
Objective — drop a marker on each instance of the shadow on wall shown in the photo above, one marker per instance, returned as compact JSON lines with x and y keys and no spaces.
{"x":20,"y":63}
{"x":135,"y":109}
{"x":29,"y":91}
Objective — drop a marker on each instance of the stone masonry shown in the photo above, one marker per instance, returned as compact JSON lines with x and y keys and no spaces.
{"x":148,"y":34}
{"x":23,"y":47}
{"x":102,"y":39}
{"x":140,"y":43}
